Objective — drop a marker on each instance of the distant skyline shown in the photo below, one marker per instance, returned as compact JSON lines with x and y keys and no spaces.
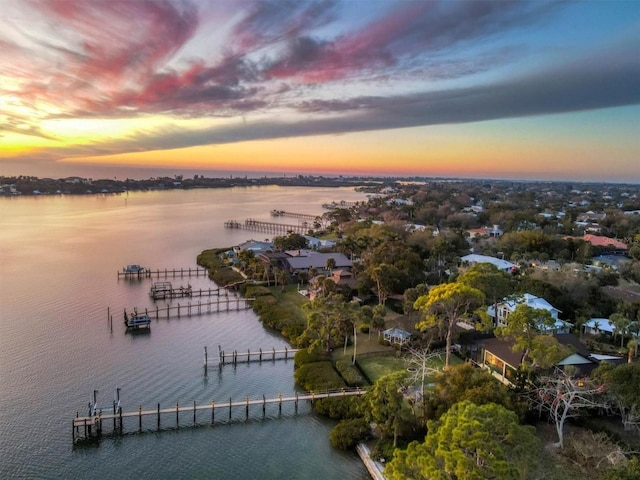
{"x":532,"y":90}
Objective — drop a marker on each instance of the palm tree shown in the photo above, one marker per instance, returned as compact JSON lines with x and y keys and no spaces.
{"x":632,"y":348}
{"x":331,"y":264}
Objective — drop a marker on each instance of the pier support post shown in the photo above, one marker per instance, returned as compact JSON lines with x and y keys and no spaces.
{"x":213,"y":412}
{"x":158,"y":416}
{"x":264,"y":405}
{"x":229,"y":408}
{"x":177,"y":415}
{"x":140,"y":417}
{"x":280,"y":403}
{"x":246,"y":410}
{"x":194,"y":405}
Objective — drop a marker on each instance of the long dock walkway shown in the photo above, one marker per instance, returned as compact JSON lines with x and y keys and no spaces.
{"x":222,"y":304}
{"x":303,"y":216}
{"x":260,"y":355}
{"x":87,"y":427}
{"x":269,"y":227}
{"x":167,"y":291}
{"x":166,"y":273}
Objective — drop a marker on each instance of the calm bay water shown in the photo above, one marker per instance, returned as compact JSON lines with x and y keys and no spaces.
{"x":58,"y":262}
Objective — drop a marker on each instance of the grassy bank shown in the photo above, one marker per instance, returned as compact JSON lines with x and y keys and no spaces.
{"x":219,"y":272}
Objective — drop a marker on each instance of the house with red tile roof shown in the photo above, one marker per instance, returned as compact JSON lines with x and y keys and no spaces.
{"x":600,"y":241}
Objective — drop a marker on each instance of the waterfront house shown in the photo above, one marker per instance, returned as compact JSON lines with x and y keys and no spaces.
{"x":317,"y":261}
{"x":497,"y":355}
{"x":500,"y":312}
{"x":255,"y":246}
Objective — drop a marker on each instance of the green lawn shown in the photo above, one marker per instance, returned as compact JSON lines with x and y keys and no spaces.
{"x":291,"y":300}
{"x":379,"y":366}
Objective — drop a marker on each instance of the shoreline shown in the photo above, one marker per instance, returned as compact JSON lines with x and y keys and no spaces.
{"x":373,"y":467}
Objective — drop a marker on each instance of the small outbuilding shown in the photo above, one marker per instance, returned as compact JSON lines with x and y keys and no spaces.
{"x":396,"y":336}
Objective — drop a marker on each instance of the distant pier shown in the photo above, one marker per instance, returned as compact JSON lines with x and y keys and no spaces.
{"x":303,"y":216}
{"x":166,"y":273}
{"x":92,"y":426}
{"x":269,"y":227}
{"x":340,"y":204}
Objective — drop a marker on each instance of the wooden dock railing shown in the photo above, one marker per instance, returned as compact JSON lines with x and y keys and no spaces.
{"x":166,"y":273}
{"x":92,"y":426}
{"x":260,"y":355}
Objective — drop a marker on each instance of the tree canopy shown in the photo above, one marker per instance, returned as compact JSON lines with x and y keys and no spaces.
{"x":445,"y":305}
{"x":469,"y":442}
{"x":466,"y":382}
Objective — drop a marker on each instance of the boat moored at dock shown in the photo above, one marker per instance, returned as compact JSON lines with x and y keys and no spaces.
{"x":137,"y":320}
{"x":134,"y":269}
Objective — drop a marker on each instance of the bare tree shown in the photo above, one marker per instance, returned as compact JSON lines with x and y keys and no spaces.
{"x":420,"y":365}
{"x":562,"y":396}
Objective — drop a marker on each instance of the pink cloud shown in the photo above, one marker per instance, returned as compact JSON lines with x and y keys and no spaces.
{"x":100,"y":47}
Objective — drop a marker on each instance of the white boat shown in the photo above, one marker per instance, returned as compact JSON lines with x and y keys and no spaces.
{"x":137,"y":320}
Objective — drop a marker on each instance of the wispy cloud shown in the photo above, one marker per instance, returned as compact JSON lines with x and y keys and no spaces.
{"x":127,"y":59}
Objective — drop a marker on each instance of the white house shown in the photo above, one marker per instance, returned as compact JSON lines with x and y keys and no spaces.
{"x":501,"y":312}
{"x":601,"y":326}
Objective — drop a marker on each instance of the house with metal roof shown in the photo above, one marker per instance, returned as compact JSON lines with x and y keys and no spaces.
{"x":500,"y":312}
{"x":501,"y":264}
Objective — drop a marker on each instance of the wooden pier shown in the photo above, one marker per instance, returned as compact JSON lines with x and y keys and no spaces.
{"x":236,"y":357}
{"x":164,"y":290}
{"x":223,"y":304}
{"x":166,"y":273}
{"x":303,"y":216}
{"x":340,"y":204}
{"x":269,"y":227}
{"x":93,"y":426}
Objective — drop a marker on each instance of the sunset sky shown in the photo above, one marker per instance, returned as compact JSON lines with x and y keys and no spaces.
{"x":491,"y":89}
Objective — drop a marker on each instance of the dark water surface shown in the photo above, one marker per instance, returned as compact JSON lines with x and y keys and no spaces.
{"x":58,"y":262}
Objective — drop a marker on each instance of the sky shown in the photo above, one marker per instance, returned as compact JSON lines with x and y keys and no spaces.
{"x":539,"y":90}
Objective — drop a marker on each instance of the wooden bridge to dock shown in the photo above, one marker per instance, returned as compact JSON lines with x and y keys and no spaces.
{"x":92,"y":426}
{"x":270,"y":227}
{"x":166,"y":273}
{"x":236,"y":357}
